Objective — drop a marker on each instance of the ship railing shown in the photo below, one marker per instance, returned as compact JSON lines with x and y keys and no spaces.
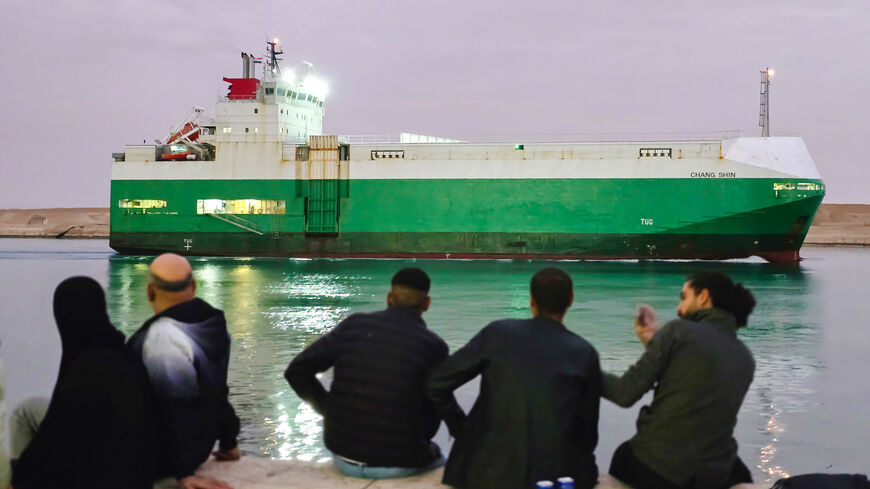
{"x":574,"y":138}
{"x":238,"y":222}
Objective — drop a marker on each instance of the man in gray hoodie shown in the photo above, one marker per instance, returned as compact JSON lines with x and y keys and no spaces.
{"x":185,"y":348}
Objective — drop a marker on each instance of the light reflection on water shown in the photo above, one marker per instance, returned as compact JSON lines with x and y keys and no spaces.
{"x":768,"y":452}
{"x":275,"y":307}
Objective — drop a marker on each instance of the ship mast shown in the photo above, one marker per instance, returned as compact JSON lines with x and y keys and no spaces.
{"x":273,"y":49}
{"x":764,"y":110}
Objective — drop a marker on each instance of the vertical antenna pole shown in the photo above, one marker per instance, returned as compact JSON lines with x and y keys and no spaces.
{"x":764,"y":109}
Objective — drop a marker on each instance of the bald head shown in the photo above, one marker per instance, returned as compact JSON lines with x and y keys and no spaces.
{"x":171,"y":282}
{"x":170,"y":267}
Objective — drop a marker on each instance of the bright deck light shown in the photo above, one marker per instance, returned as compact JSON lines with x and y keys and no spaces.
{"x":316,"y":86}
{"x":770,"y":71}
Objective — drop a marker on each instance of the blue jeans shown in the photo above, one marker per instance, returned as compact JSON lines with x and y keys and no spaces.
{"x":349,"y":469}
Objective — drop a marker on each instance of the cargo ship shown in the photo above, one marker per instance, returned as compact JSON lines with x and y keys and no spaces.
{"x":261,"y":178}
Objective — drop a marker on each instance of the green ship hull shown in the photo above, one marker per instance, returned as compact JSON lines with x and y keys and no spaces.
{"x":570,"y":218}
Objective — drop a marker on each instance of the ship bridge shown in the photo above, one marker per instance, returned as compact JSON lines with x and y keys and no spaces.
{"x":259,"y":115}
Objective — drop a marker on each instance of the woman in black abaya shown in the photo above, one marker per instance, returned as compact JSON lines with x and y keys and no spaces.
{"x":97,"y":432}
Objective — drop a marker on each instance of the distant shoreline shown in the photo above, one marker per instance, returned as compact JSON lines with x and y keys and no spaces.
{"x":834,"y":225}
{"x":82,"y":222}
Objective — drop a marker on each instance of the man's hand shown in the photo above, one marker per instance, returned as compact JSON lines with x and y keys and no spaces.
{"x":197,"y":482}
{"x":645,"y":324}
{"x":225,"y":455}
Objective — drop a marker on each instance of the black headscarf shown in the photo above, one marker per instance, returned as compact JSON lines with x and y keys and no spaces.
{"x":82,"y":320}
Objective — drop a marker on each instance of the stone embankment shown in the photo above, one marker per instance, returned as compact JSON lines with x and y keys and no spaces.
{"x":840,"y":224}
{"x":53,"y":223}
{"x":835,"y":224}
{"x":263,"y":473}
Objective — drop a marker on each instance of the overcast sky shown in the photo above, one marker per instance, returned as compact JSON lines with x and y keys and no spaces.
{"x":82,"y":79}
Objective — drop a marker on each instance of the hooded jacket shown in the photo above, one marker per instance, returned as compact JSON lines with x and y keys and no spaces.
{"x":98,"y":429}
{"x":186,"y":351}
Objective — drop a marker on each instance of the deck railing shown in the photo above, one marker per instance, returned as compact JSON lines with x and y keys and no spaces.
{"x":571,"y":138}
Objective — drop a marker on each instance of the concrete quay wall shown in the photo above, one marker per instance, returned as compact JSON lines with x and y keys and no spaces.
{"x":264,"y":473}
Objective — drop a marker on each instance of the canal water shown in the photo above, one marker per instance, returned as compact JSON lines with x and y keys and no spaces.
{"x":806,"y":410}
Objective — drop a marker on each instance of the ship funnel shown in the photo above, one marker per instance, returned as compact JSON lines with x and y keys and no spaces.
{"x":252,"y":66}
{"x":245,"y":66}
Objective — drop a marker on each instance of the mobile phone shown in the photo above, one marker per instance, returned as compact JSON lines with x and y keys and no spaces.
{"x":645,"y":315}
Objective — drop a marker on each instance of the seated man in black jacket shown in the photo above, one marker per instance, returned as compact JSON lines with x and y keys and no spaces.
{"x":378,"y":422}
{"x":536,"y":417}
{"x":185,"y":347}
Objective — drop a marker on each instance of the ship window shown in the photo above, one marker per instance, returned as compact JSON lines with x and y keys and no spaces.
{"x":783,"y":186}
{"x":808,"y":186}
{"x":246,"y":130}
{"x":310,"y":98}
{"x":388,"y":154}
{"x":281,"y":92}
{"x":256,"y":130}
{"x":291,"y":94}
{"x":655,"y":152}
{"x":240,"y":206}
{"x":256,"y":111}
{"x":229,"y":130}
{"x":300,"y":96}
{"x":270,"y":91}
{"x":141,"y":204}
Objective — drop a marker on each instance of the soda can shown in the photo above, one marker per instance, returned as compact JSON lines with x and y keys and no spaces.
{"x":566,"y":483}
{"x":544,"y":485}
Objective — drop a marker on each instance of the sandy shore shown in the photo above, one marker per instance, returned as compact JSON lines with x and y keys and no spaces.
{"x":840,"y":224}
{"x":835,"y":224}
{"x":52,"y":223}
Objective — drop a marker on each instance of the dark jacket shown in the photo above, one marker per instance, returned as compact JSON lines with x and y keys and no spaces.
{"x":186,"y":350}
{"x":376,"y":411}
{"x":98,"y":429}
{"x":536,"y":416}
{"x":700,"y":371}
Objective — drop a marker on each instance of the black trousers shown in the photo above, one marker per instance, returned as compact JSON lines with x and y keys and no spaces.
{"x":627,"y":468}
